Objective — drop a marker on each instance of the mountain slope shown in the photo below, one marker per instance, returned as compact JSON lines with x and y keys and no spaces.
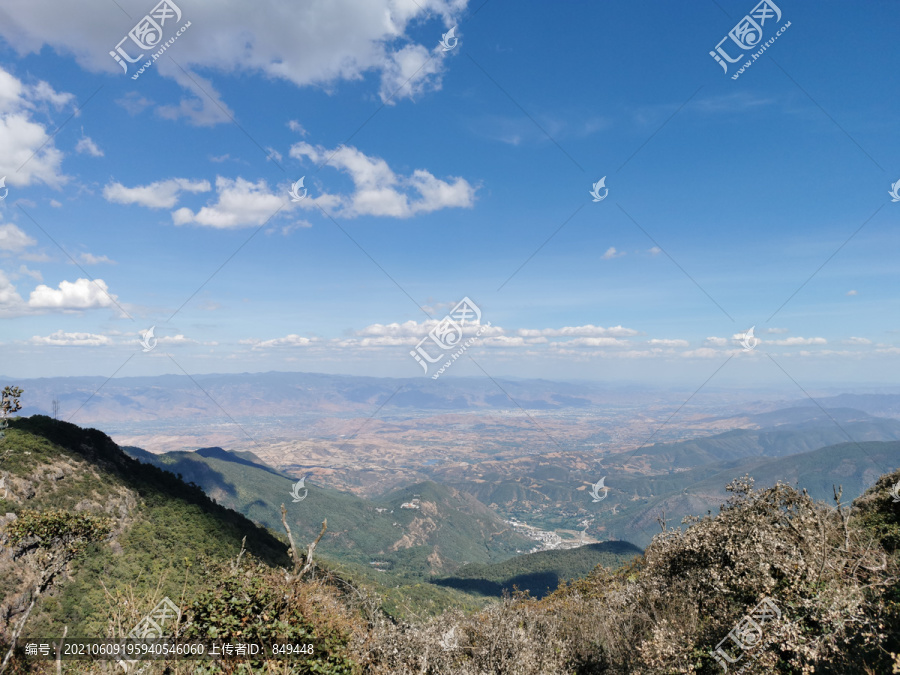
{"x":853,"y":466}
{"x":164,"y":530}
{"x":448,"y":528}
{"x":791,"y":433}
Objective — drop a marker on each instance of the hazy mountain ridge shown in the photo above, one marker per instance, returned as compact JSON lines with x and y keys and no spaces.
{"x":552,"y":490}
{"x":149,"y":398}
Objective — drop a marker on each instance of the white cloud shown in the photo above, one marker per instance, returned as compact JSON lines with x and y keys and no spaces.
{"x":296,"y":127}
{"x":717,"y":341}
{"x":162,"y":194}
{"x":34,"y":274}
{"x":134,"y":103}
{"x":852,"y":293}
{"x":205,"y":108}
{"x":416,"y":331}
{"x":86,"y":146}
{"x":594,"y":342}
{"x":291,"y":340}
{"x":611,"y":253}
{"x":857,"y":341}
{"x":91,"y":259}
{"x":668,"y":343}
{"x":13,"y":239}
{"x":307,"y":44}
{"x":10,"y":300}
{"x":176,"y":340}
{"x":378,"y":191}
{"x":409,"y":72}
{"x":656,"y":250}
{"x":793,"y":341}
{"x":776,"y":331}
{"x":59,"y":338}
{"x":55,"y":204}
{"x":503,"y":341}
{"x":579,"y":331}
{"x":406,"y":329}
{"x":702,"y":353}
{"x":240,"y":204}
{"x":27,"y":152}
{"x":80,"y":294}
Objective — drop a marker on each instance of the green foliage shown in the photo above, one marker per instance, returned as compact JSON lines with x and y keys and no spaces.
{"x":58,"y":528}
{"x":166,"y":530}
{"x":258,"y":606}
{"x":9,"y":403}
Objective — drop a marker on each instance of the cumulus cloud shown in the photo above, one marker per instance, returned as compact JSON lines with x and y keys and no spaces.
{"x":503,"y":341}
{"x":579,"y":331}
{"x":717,"y":341}
{"x":59,"y":338}
{"x":162,"y":194}
{"x":379,"y":191}
{"x":611,"y":253}
{"x":27,"y":152}
{"x":296,"y":127}
{"x":702,"y":353}
{"x":595,"y":342}
{"x":417,"y":330}
{"x":25,"y":272}
{"x":794,"y":341}
{"x":307,"y":44}
{"x":91,"y":259}
{"x":668,"y":343}
{"x":86,"y":146}
{"x":9,"y":297}
{"x":776,"y":331}
{"x":13,"y":239}
{"x":292,"y":340}
{"x":77,"y":295}
{"x":411,"y":71}
{"x":176,"y":340}
{"x":240,"y":203}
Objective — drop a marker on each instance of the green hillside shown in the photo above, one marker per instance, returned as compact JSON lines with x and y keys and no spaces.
{"x":164,"y":532}
{"x":854,"y":466}
{"x":136,"y":533}
{"x":788,"y":438}
{"x":539,"y":573}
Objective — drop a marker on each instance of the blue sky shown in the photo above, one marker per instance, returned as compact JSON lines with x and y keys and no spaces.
{"x":446,"y":171}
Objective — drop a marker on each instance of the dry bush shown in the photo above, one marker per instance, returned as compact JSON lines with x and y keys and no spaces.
{"x":828,"y":576}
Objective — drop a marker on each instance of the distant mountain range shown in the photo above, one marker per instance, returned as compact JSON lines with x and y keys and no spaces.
{"x":806,"y":445}
{"x":784,"y":432}
{"x":97,"y":400}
